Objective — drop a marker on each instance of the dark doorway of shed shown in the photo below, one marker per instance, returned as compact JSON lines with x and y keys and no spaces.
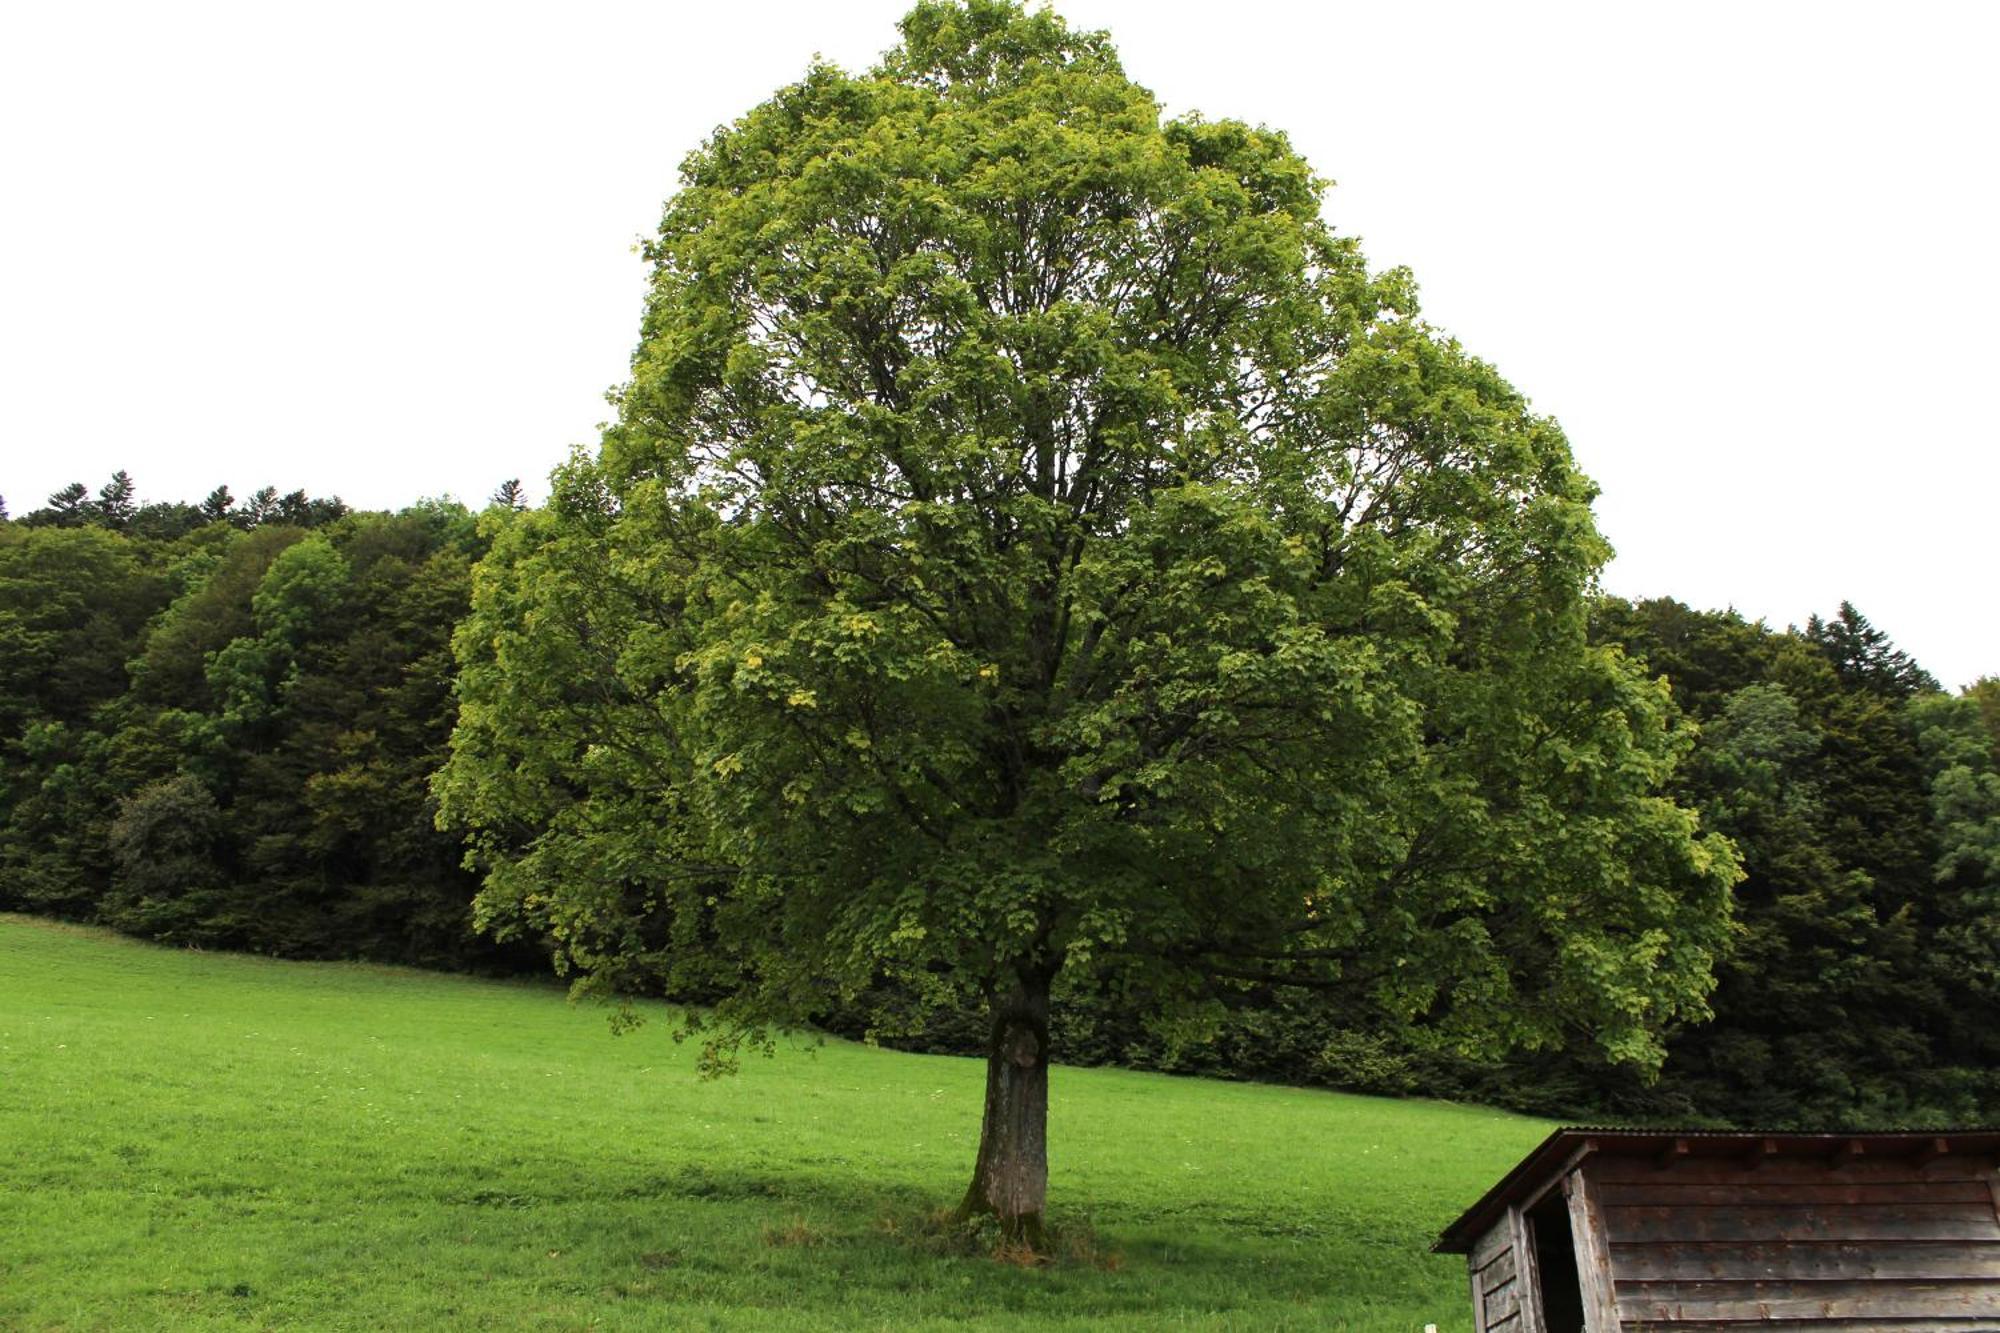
{"x":1560,"y":1288}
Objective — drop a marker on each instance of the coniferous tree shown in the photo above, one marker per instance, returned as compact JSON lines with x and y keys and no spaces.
{"x":1863,"y":654}
{"x":322,"y":510}
{"x":262,"y":507}
{"x":116,"y":501}
{"x":67,"y":508}
{"x":294,"y":508}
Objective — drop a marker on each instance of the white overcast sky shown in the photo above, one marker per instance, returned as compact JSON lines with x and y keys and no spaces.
{"x":1745,"y":252}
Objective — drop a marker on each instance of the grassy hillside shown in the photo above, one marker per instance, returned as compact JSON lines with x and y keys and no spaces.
{"x":202,"y":1139}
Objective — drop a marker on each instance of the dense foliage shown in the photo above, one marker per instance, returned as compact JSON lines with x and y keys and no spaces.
{"x":217,"y":725}
{"x":1866,"y":806}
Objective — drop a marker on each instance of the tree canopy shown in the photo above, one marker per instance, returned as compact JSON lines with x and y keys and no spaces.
{"x":1032,"y":541}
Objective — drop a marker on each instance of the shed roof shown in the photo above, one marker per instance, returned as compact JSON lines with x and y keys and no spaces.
{"x":1570,"y":1145}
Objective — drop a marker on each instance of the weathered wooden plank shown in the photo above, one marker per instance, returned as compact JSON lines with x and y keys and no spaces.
{"x":1552,"y":1184}
{"x":1722,"y":1302}
{"x":1888,"y":1222}
{"x":1692,"y":1194}
{"x":1498,"y":1237}
{"x":1806,"y":1260}
{"x":1799,"y":1170}
{"x":1501,"y":1303}
{"x":1531,"y":1277}
{"x":1494,"y":1248}
{"x":1593,"y":1256}
{"x":1823,"y":1325}
{"x":1504,"y":1268}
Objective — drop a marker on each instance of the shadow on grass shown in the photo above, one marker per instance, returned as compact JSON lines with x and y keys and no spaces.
{"x":782,"y":1238}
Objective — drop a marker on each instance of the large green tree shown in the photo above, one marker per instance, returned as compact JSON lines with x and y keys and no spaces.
{"x":1031,"y":541}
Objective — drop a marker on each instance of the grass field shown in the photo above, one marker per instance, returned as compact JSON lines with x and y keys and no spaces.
{"x":208,"y":1140}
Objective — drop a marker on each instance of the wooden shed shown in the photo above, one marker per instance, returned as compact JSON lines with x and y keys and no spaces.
{"x":1605,"y":1229}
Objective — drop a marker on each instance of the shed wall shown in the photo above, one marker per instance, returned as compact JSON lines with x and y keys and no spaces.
{"x":1503,"y":1279}
{"x":1712,"y":1243}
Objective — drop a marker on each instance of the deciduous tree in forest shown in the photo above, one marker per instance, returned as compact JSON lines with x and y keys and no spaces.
{"x":1032,"y":540}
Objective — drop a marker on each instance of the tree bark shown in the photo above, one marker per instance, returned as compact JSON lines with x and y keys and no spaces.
{"x":1011,"y":1178}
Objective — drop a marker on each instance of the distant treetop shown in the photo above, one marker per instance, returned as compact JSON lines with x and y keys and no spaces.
{"x":1865,"y":655}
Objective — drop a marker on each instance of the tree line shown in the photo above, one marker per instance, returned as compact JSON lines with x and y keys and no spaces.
{"x":219,"y":723}
{"x":115,"y":506}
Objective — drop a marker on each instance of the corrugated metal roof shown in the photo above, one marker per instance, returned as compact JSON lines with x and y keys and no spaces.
{"x":1575,"y":1141}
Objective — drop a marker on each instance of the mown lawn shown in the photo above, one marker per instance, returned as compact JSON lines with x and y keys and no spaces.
{"x":193,"y":1139}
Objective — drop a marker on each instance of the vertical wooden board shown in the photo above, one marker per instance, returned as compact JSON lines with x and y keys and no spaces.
{"x":1530,"y":1279}
{"x":1490,"y":1264}
{"x":1593,"y":1256}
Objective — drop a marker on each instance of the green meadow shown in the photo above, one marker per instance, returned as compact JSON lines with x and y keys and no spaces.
{"x":209,"y":1140}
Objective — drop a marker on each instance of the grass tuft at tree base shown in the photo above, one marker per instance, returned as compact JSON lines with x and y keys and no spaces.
{"x":212,"y":1140}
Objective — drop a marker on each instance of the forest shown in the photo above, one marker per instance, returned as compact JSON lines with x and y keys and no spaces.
{"x":219,"y":724}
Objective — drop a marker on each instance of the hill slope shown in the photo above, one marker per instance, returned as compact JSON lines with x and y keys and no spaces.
{"x":204,"y":1139}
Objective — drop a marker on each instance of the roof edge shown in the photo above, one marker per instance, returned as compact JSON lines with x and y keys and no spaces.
{"x":1579,"y":1141}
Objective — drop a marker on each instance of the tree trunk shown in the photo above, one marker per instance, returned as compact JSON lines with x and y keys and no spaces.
{"x":1011,"y":1178}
